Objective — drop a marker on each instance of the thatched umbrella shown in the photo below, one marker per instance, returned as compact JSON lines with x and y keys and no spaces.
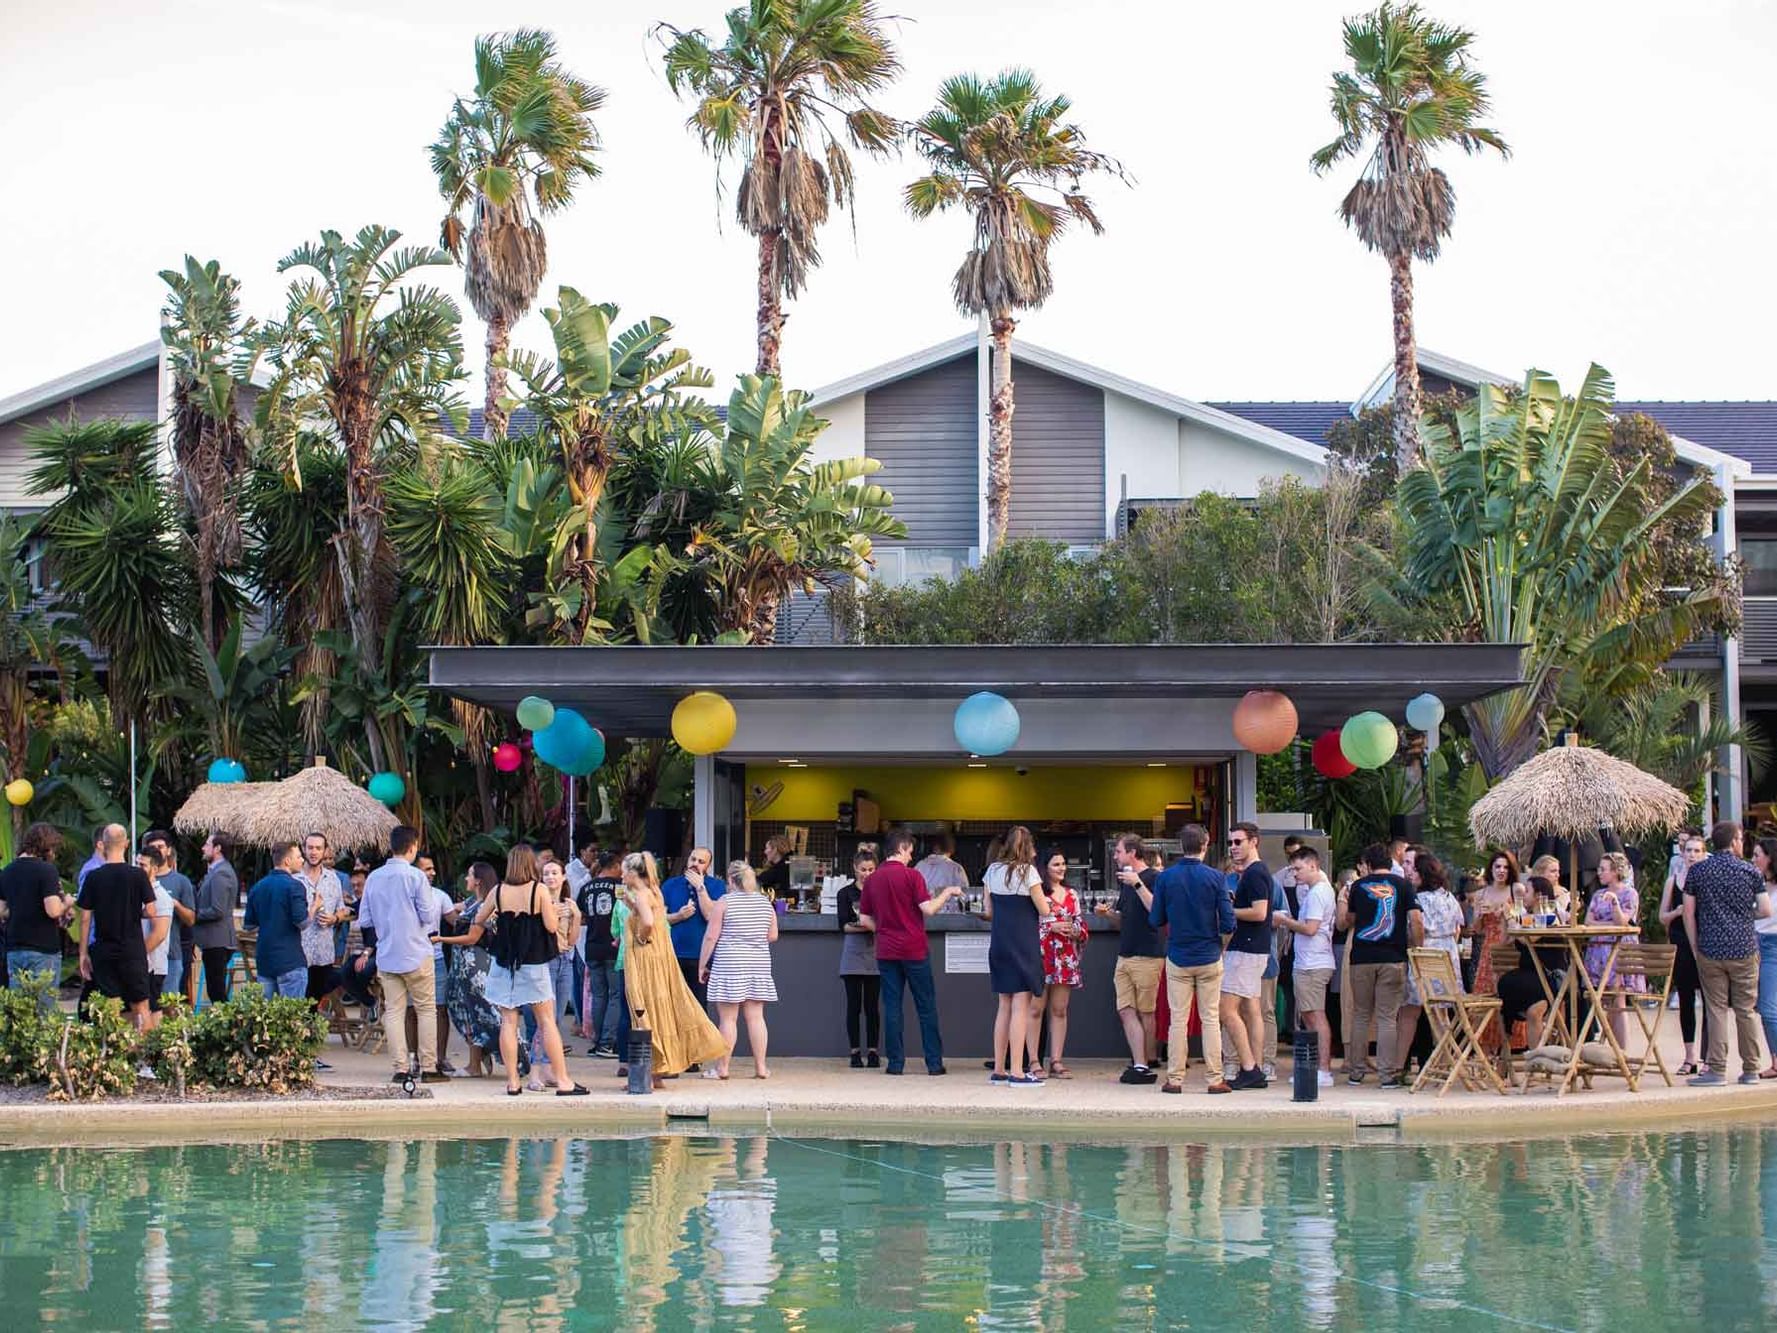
{"x":1572,"y":791}
{"x":316,"y":800}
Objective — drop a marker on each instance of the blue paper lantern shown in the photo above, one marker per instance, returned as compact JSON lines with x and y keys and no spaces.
{"x":387,"y":788}
{"x":227,"y":770}
{"x":570,"y":743}
{"x":535,"y":712}
{"x":1425,"y":712}
{"x":986,"y":723}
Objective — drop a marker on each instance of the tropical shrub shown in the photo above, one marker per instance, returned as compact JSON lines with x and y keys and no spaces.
{"x":252,"y":1042}
{"x":94,"y":1058}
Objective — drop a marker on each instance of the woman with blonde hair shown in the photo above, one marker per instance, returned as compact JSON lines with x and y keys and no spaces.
{"x":1615,"y":904}
{"x":659,"y":1000}
{"x":524,"y":923}
{"x":1016,"y":907}
{"x":736,"y":963}
{"x":1549,"y":868}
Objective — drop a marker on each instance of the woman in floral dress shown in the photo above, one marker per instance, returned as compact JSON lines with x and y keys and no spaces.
{"x":1614,"y":904}
{"x":1442,"y":916}
{"x":1499,"y":889}
{"x":465,"y":990}
{"x":1063,"y":938}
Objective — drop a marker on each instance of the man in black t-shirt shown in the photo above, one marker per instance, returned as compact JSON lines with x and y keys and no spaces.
{"x":1141,"y":955}
{"x":114,"y":900}
{"x":604,"y":983}
{"x":36,"y":907}
{"x":1383,"y":917}
{"x":1249,"y":950}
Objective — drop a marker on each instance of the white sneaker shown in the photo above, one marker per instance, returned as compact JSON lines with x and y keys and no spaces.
{"x":1324,"y":1079}
{"x":1270,"y":1070}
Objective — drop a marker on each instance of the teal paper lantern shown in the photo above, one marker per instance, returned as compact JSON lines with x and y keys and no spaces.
{"x":387,"y":788}
{"x":986,"y":723}
{"x":535,"y":713}
{"x":570,"y":744}
{"x":1425,"y":712}
{"x":1369,"y":740}
{"x":227,"y":770}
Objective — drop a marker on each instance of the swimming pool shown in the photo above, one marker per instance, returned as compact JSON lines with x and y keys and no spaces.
{"x":1610,"y":1231}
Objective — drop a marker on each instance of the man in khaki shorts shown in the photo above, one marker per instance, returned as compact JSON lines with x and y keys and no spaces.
{"x":1313,"y":931}
{"x":1141,"y":955}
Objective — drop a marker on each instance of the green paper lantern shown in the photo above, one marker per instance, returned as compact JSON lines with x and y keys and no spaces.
{"x":535,"y":713}
{"x":1369,"y":740}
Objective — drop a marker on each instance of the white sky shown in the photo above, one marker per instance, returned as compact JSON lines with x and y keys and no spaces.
{"x":1632,"y":225}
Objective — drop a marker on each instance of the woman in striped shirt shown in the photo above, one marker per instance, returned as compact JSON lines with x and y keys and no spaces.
{"x":735,"y":963}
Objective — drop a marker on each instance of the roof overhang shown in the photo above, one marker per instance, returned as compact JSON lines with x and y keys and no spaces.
{"x":84,"y":380}
{"x":631,"y":691}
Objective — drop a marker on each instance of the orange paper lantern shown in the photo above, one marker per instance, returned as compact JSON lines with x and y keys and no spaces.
{"x":1265,"y":721}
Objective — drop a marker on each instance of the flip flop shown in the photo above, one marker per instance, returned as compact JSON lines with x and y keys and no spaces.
{"x":578,"y":1090}
{"x":515,"y":1092}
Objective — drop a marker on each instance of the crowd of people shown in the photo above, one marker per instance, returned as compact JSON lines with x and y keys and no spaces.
{"x":598,"y":948}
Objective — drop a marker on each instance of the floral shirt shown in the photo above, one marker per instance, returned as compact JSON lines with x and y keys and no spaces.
{"x":1061,"y":955}
{"x":320,"y":944}
{"x":1726,"y":889}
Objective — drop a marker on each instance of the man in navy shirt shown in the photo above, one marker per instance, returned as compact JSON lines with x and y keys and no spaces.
{"x":278,"y":908}
{"x":1190,"y":900}
{"x":685,"y":915}
{"x":1249,"y":951}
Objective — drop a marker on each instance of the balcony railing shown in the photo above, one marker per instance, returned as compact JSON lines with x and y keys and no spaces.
{"x":1758,"y":637}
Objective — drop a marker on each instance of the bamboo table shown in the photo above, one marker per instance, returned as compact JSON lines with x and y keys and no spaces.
{"x":1575,"y":1010}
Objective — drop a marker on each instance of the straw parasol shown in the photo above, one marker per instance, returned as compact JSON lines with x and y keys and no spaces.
{"x":315,"y":800}
{"x":1571,"y":792}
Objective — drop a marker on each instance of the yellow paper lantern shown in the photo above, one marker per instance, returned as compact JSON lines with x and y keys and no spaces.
{"x":703,"y":723}
{"x":1265,"y":721}
{"x":19,"y":792}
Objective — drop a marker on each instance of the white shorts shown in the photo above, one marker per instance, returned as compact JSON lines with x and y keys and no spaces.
{"x":1243,"y":973}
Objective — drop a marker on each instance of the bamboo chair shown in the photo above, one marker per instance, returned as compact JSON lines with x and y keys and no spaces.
{"x":1655,"y":963}
{"x":1456,"y":1021}
{"x":241,"y":967}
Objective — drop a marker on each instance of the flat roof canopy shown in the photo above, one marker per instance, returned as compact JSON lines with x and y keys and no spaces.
{"x":631,"y":690}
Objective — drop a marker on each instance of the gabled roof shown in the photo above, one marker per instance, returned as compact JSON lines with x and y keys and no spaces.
{"x":1306,"y":421}
{"x":1257,"y":432}
{"x":84,"y":380}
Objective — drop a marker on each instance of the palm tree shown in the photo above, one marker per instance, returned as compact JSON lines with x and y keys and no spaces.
{"x":599,"y":396}
{"x":377,"y":361}
{"x":205,"y":340}
{"x":1669,"y":726}
{"x":525,"y":138}
{"x":1409,"y":91}
{"x":765,"y":94}
{"x":781,"y":522}
{"x":1005,"y":151}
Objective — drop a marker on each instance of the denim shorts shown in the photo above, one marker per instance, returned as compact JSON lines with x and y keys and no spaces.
{"x":527,"y":985}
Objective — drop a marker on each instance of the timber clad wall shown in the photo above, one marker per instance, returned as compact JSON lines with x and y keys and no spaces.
{"x":135,"y":396}
{"x":1057,"y":457}
{"x":923,"y":430}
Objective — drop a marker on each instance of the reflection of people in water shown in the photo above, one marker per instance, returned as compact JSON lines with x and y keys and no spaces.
{"x":401,"y":1255}
{"x":740,"y":1218}
{"x":655,"y":1225}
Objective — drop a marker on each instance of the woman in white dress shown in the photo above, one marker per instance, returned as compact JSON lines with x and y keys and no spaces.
{"x":735,"y":964}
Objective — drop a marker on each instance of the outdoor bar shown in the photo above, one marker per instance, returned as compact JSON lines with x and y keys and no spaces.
{"x":834,"y":745}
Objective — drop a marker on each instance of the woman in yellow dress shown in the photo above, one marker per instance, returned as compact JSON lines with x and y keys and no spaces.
{"x":659,"y":999}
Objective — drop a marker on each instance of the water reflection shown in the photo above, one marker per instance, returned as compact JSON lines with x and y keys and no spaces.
{"x":675,"y":1231}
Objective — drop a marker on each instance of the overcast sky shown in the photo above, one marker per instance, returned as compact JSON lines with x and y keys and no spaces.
{"x":1632,"y":225}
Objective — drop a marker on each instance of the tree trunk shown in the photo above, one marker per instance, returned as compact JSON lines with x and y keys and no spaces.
{"x":1406,"y":361}
{"x":771,"y":306}
{"x":999,"y":448}
{"x":761,"y":625}
{"x":494,"y":419}
{"x":361,"y":538}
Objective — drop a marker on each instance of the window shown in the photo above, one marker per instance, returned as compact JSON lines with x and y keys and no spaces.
{"x":1759,"y":558}
{"x":900,"y":565}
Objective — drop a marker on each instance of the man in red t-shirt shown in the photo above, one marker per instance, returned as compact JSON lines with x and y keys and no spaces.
{"x":895,"y":904}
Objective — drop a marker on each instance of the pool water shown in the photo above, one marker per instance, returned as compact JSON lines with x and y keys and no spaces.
{"x":1610,"y":1232}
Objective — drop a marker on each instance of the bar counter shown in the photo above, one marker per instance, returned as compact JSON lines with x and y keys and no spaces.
{"x":809,"y":1017}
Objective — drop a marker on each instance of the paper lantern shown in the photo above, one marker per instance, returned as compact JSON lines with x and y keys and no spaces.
{"x":703,"y":723}
{"x":1264,"y":721}
{"x":569,"y":744}
{"x":507,"y":757}
{"x":986,"y":723}
{"x":535,"y":713}
{"x":1329,"y":758}
{"x":1425,"y":712}
{"x":387,"y":788}
{"x":19,"y":792}
{"x":227,"y":770}
{"x":1369,"y":740}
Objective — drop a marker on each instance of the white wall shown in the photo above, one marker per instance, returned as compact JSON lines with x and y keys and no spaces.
{"x":1142,"y":443}
{"x":1213,"y":460}
{"x":844,"y":437}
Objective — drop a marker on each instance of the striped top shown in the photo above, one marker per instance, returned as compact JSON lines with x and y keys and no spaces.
{"x":740,"y":967}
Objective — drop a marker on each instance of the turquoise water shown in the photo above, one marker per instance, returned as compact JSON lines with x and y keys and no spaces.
{"x":1611,"y":1232}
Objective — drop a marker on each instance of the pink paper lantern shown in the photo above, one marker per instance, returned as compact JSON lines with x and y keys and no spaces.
{"x":1265,"y":721}
{"x":507,"y":757}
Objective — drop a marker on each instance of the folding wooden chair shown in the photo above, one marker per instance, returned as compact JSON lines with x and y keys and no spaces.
{"x":1456,"y":1020}
{"x":1655,"y":963}
{"x":241,"y":967}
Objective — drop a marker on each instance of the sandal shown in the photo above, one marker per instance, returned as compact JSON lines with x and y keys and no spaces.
{"x":514,"y":1092}
{"x":1059,"y":1070}
{"x":1768,"y":1073}
{"x":1686,"y":1069}
{"x":578,"y":1090}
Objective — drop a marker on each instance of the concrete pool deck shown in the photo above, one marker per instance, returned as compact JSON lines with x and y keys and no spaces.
{"x":825,"y":1096}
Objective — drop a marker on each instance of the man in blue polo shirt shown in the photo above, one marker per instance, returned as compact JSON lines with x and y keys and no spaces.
{"x":1192,"y":901}
{"x":686,"y":916}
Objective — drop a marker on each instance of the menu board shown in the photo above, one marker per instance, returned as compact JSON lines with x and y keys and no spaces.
{"x":966,"y":952}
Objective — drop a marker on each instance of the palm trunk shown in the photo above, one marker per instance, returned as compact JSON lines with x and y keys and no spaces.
{"x":999,"y":448}
{"x":1406,"y":361}
{"x":761,"y":625}
{"x":493,"y":418}
{"x":360,"y":541}
{"x":590,"y":476}
{"x":771,"y":306}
